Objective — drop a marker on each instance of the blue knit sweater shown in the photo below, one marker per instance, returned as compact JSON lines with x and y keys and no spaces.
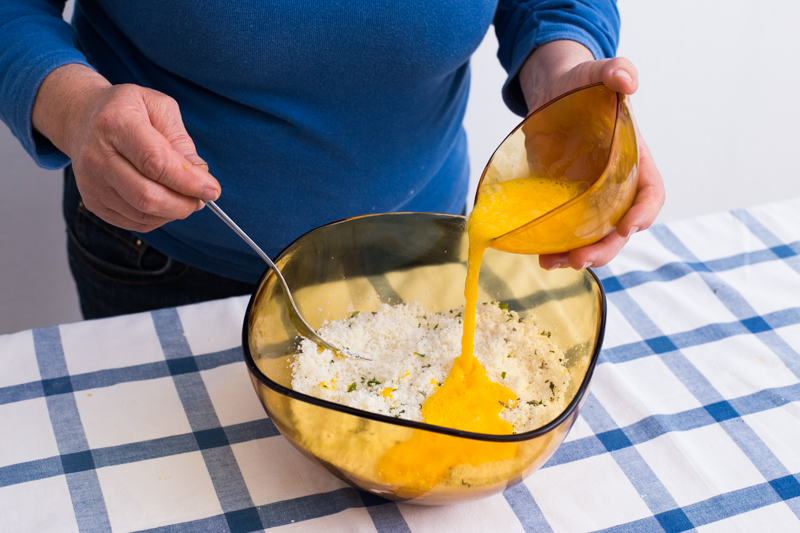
{"x":307,"y":112}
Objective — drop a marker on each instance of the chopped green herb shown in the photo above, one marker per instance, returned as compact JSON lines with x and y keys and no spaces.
{"x":372,"y":382}
{"x":425,"y":366}
{"x":459,"y":314}
{"x":503,"y":375}
{"x":535,"y":402}
{"x":419,"y":354}
{"x":552,"y":387}
{"x":436,"y":326}
{"x":503,"y":404}
{"x":354,"y":314}
{"x":352,"y":387}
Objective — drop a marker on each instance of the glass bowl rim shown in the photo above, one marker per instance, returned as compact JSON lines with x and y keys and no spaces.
{"x":515,"y":437}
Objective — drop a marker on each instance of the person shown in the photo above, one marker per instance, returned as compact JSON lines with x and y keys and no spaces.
{"x":292,"y":114}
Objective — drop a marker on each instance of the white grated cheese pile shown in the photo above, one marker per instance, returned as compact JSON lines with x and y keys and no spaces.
{"x":412,"y":351}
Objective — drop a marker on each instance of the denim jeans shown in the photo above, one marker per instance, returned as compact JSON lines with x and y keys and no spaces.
{"x":117,"y":273}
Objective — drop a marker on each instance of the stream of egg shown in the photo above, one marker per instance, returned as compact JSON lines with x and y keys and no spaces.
{"x":468,"y":400}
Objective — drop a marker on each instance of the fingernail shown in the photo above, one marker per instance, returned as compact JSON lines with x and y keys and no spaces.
{"x":209,"y":195}
{"x":195,"y":159}
{"x":586,"y":265}
{"x":633,"y":230}
{"x":554,"y":266}
{"x":622,"y":74}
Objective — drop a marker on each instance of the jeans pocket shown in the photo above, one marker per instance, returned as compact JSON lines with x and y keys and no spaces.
{"x":114,"y":253}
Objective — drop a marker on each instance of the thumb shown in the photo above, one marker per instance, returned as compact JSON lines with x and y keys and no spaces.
{"x":619,"y":74}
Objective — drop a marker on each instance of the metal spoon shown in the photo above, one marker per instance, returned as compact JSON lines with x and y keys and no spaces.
{"x":296,"y":318}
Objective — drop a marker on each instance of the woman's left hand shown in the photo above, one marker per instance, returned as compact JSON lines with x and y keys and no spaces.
{"x":558,"y":67}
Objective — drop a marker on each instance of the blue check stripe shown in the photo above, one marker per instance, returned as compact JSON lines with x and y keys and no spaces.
{"x":655,"y":426}
{"x":787,"y":252}
{"x":240,"y":513}
{"x":138,"y":451}
{"x":211,"y":439}
{"x":616,"y":442}
{"x":76,"y":461}
{"x":298,"y":510}
{"x":759,"y":454}
{"x":699,"y":336}
{"x":526,"y":509}
{"x":107,"y":378}
{"x":676,"y":270}
{"x":717,"y":508}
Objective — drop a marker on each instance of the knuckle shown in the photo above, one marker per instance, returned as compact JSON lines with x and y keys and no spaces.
{"x":107,"y":119}
{"x":154,"y":166}
{"x":148,"y":201}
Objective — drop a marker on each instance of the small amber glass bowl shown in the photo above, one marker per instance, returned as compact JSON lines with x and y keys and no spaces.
{"x":587,"y":135}
{"x":359,"y":263}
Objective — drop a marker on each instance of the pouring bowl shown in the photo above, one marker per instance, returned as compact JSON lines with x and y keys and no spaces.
{"x":586,"y":136}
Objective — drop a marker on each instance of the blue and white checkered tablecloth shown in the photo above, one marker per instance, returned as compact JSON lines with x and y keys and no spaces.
{"x":149,"y":421}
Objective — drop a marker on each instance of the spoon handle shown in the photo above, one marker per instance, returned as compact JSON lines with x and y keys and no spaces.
{"x":294,"y":314}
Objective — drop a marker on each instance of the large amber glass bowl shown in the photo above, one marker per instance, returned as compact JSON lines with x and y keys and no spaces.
{"x":588,"y":136}
{"x":359,"y":263}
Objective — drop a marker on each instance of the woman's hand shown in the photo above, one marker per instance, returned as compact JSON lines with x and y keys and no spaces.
{"x":135,"y":165}
{"x":558,"y":67}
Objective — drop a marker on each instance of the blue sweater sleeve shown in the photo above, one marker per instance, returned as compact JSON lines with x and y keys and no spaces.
{"x":34,"y":40}
{"x":523,"y":25}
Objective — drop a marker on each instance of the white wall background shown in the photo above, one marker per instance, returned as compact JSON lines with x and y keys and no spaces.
{"x":717,"y":105}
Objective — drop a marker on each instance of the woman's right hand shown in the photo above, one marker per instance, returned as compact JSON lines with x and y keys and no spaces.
{"x":135,"y":165}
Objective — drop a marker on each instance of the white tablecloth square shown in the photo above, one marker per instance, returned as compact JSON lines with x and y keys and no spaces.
{"x":482,"y":515}
{"x":275,"y":471}
{"x":570,"y":506}
{"x":682,"y":461}
{"x":26,"y":433}
{"x":649,"y":378}
{"x":131,"y":412}
{"x":157,"y":492}
{"x":739,"y":366}
{"x":766,"y":287}
{"x":124,"y":343}
{"x":232,"y":395}
{"x":37,"y":506}
{"x":779,"y":428}
{"x":662,"y":299}
{"x":214,"y":330}
{"x":715,"y":236}
{"x":18,"y":363}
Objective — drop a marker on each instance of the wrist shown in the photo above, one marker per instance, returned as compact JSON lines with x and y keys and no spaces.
{"x":62,"y":101}
{"x":547,"y":64}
